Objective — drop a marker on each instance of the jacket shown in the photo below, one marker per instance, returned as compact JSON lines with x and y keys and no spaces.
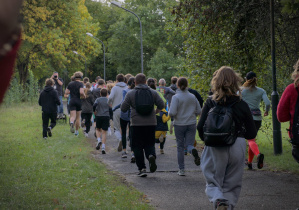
{"x":136,"y":118}
{"x":184,"y":108}
{"x":87,"y":103}
{"x":162,"y":119}
{"x":49,"y":100}
{"x":241,"y":115}
{"x":116,"y":95}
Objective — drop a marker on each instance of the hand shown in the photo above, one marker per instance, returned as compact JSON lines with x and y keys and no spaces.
{"x":266,"y":114}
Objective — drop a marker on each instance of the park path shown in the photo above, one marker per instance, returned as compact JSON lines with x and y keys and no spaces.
{"x":164,"y":189}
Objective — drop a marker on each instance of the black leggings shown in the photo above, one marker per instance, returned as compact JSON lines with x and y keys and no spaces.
{"x":46,"y":117}
{"x":258,"y":124}
{"x":87,"y":117}
{"x":123,"y":125}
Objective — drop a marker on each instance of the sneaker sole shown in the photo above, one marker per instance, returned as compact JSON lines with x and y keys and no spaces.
{"x":152,"y":162}
{"x":49,"y":132}
{"x":142,"y":175}
{"x":196,"y":157}
{"x":260,"y":161}
{"x":124,"y":156}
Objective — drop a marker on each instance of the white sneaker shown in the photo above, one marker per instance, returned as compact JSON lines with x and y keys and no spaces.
{"x":86,"y":135}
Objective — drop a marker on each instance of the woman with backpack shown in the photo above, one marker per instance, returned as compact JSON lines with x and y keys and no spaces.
{"x":184,"y":109}
{"x":222,"y":161}
{"x":288,"y":110}
{"x":253,"y":95}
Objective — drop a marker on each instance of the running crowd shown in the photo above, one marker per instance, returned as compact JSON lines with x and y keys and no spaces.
{"x":138,"y":110}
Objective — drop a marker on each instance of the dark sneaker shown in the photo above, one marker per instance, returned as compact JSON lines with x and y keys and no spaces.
{"x":124,"y":155}
{"x":49,"y":131}
{"x":260,"y":161}
{"x":221,"y":204}
{"x":72,"y":128}
{"x":152,"y":163}
{"x":181,"y":172}
{"x":120,"y":146}
{"x":133,"y":159}
{"x":249,"y":166}
{"x":98,"y":145}
{"x":196,"y":157}
{"x":103,"y":152}
{"x":161,"y":151}
{"x":83,"y":123}
{"x":142,"y":173}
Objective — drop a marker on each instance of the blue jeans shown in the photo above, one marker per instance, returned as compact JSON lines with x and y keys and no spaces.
{"x":60,"y":107}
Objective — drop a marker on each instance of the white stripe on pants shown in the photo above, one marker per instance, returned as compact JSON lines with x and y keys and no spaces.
{"x":223,"y":169}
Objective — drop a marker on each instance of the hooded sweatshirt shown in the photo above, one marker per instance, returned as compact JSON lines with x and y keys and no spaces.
{"x":116,"y":95}
{"x":49,"y":100}
{"x":136,"y":118}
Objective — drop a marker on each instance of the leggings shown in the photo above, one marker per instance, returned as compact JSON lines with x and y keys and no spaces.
{"x":87,"y":117}
{"x":123,"y":125}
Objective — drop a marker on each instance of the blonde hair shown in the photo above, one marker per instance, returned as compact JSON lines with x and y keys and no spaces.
{"x":225,"y":83}
{"x":78,"y":75}
{"x":110,"y":86}
{"x":49,"y":82}
{"x":87,"y":88}
{"x":295,"y":74}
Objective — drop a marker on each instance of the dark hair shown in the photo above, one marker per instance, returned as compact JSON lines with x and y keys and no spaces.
{"x":104,"y":92}
{"x":174,"y":80}
{"x":140,"y":79}
{"x":98,"y":77}
{"x":49,"y":82}
{"x":182,"y":83}
{"x":120,"y":78}
{"x":86,"y":79}
{"x":101,"y":82}
{"x":151,"y":83}
{"x":131,"y":82}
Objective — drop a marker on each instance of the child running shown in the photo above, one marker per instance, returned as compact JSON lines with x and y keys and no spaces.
{"x":101,"y":111}
{"x":161,"y":128}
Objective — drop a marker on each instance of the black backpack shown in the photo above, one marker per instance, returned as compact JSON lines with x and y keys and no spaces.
{"x":219,"y":128}
{"x":144,"y":101}
{"x":295,"y":127}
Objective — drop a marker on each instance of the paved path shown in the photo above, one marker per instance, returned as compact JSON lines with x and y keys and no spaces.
{"x":166,"y":190}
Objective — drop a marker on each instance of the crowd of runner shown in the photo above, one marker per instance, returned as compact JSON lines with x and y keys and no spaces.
{"x":140,"y":111}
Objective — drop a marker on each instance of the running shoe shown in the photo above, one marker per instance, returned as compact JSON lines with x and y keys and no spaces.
{"x":120,"y":146}
{"x":72,"y":128}
{"x":133,"y":159}
{"x":103,"y":152}
{"x":196,"y":157}
{"x":124,"y":155}
{"x":249,"y":166}
{"x":98,"y":145}
{"x":86,"y":134}
{"x":152,"y":163}
{"x":260,"y":161}
{"x":49,"y":131}
{"x":181,"y":172}
{"x":221,"y":204}
{"x":142,"y":173}
{"x":161,"y":151}
{"x":76,"y":133}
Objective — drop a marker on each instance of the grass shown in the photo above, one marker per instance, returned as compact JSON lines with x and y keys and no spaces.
{"x":58,"y":173}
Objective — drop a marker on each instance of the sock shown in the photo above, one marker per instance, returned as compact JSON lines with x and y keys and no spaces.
{"x":103,"y":146}
{"x":76,"y":132}
{"x":99,"y":139}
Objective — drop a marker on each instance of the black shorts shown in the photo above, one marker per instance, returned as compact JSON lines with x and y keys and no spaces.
{"x":102,"y":122}
{"x":75,"y":104}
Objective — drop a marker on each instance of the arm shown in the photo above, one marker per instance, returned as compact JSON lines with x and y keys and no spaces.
{"x":267,"y":103}
{"x":111,"y":96}
{"x":95,"y":105}
{"x":82,"y":94}
{"x":204,"y":114}
{"x":66,"y":93}
{"x":57,"y":101}
{"x":125,"y":106}
{"x":60,"y":82}
{"x":199,"y":98}
{"x":165,"y":118}
{"x":250,"y":130}
{"x":39,"y":99}
{"x":283,"y":108}
{"x":116,"y":107}
{"x":159,"y":102}
{"x":197,"y":109}
{"x":173,"y":107}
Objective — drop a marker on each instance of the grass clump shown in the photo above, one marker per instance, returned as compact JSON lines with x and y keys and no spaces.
{"x":58,"y":173}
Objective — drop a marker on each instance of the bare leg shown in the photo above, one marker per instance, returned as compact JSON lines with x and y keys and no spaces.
{"x":98,"y":132}
{"x":104,"y":134}
{"x":78,"y":115}
{"x":73,"y":116}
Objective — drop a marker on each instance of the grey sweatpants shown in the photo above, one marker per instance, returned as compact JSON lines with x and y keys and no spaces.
{"x":223,"y":169}
{"x":116,"y":124}
{"x":185,"y":135}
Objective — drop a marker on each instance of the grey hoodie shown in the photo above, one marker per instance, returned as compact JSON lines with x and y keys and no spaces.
{"x":116,"y":95}
{"x":184,"y":108}
{"x":137,"y":119}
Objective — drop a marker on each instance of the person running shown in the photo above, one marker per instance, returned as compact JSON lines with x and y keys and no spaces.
{"x":143,"y":124}
{"x":184,"y":109}
{"x":287,"y":106}
{"x":125,"y":121}
{"x":58,"y":82}
{"x":87,"y":104}
{"x":76,"y":90}
{"x":174,"y":87}
{"x":115,"y":98}
{"x":101,"y":111}
{"x":161,"y":128}
{"x":222,"y":167}
{"x":48,"y":100}
{"x":253,"y":95}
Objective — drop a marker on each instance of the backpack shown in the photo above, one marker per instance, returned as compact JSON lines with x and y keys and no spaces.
{"x":144,"y":101}
{"x":219,"y":128}
{"x":295,"y":127}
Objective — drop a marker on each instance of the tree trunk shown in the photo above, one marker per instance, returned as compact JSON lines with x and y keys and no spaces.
{"x":23,"y":72}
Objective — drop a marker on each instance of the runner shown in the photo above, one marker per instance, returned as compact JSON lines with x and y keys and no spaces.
{"x":143,"y":125}
{"x":49,"y":100}
{"x":58,"y":82}
{"x":184,"y":108}
{"x":87,"y":110}
{"x":222,"y":167}
{"x":75,"y":89}
{"x":253,"y":95}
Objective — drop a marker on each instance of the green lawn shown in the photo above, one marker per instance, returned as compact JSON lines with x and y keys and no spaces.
{"x":58,"y":173}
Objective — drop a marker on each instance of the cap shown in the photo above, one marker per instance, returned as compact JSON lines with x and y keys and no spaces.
{"x":250,"y":75}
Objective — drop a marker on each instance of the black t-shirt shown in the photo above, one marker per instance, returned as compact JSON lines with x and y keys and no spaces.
{"x":74,"y":88}
{"x":58,"y":87}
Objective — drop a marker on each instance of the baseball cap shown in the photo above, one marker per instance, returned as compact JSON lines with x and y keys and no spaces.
{"x":250,"y":75}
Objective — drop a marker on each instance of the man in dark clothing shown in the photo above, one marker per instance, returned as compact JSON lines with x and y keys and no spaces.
{"x":58,"y":82}
{"x":143,"y":126}
{"x":197,"y":95}
{"x":49,"y":100}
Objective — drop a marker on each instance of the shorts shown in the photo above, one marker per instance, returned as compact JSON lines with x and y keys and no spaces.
{"x":102,"y":122}
{"x":75,"y":104}
{"x":159,"y":133}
